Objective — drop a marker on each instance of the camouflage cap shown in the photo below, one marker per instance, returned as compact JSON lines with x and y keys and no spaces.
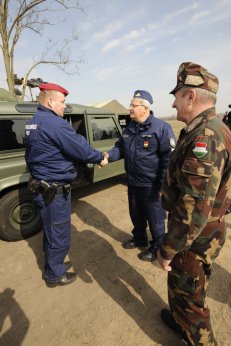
{"x":191,"y":74}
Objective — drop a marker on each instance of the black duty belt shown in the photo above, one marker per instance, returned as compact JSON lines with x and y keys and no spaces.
{"x":64,"y":189}
{"x":48,"y":190}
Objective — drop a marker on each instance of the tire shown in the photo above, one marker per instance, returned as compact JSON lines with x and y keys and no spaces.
{"x":19,"y":215}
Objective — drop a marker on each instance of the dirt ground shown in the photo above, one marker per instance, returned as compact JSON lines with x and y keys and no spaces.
{"x":116,"y":299}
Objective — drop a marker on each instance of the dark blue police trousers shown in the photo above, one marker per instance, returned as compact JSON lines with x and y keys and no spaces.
{"x":56,"y":219}
{"x":145,"y":208}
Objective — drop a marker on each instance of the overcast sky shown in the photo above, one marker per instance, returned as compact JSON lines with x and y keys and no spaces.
{"x":135,"y":44}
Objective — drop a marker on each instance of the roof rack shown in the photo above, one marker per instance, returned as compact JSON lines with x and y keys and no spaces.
{"x":31,"y":107}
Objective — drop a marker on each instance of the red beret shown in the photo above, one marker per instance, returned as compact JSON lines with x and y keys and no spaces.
{"x":52,"y":86}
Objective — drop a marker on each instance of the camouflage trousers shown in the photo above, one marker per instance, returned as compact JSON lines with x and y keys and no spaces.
{"x":187,"y":286}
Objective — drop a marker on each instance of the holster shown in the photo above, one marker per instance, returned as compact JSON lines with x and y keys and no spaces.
{"x":47,"y":190}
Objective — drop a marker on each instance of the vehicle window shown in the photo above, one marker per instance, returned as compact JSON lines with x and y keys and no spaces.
{"x":77,"y":121}
{"x":12,"y":134}
{"x":104,"y":128}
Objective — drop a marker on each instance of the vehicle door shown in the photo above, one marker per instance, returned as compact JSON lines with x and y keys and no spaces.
{"x":104,"y":130}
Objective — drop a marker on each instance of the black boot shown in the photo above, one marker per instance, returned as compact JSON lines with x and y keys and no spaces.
{"x":133,"y":243}
{"x":149,"y":255}
{"x":168,"y":319}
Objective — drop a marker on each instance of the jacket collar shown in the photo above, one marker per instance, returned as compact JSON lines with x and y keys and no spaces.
{"x":208,"y":113}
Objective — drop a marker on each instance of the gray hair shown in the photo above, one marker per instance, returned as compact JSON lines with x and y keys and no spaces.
{"x":203,"y":95}
{"x":145,"y":103}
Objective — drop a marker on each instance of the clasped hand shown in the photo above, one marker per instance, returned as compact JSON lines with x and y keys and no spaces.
{"x":104,"y":162}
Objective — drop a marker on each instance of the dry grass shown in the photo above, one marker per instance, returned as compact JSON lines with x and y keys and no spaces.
{"x":176,"y":126}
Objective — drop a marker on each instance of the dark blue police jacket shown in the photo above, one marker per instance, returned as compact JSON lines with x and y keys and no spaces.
{"x":146,"y":149}
{"x":53,"y":148}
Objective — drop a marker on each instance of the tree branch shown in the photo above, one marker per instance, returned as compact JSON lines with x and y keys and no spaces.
{"x":31,"y":14}
{"x":24,"y":12}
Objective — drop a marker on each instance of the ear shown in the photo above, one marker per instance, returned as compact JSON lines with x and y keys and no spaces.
{"x":50,"y":102}
{"x":191,"y":96}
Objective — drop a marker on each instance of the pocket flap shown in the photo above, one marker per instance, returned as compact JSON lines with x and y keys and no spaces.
{"x":197,"y":167}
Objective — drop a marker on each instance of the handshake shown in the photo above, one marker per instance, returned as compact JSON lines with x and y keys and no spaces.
{"x":104,"y":162}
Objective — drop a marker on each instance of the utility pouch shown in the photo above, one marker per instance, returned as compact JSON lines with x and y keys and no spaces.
{"x":33,"y":186}
{"x":66,"y":189}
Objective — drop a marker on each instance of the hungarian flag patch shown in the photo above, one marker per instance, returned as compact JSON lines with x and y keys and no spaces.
{"x":200,"y":149}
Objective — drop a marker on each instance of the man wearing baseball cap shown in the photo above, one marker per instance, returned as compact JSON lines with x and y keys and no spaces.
{"x":145,"y":145}
{"x":53,"y":150}
{"x":196,"y":194}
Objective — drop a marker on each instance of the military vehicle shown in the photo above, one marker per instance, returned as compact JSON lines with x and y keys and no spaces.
{"x":20,"y":217}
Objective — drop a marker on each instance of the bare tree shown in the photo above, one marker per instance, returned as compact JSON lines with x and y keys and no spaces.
{"x":32,"y":15}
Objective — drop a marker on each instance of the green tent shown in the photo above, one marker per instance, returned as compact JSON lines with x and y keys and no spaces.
{"x":122,"y":112}
{"x":6,"y":95}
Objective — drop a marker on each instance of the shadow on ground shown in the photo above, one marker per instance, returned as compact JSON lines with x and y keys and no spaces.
{"x":19,"y":323}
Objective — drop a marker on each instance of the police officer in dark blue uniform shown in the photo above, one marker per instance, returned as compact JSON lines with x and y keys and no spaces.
{"x":145,"y":145}
{"x":52,"y":151}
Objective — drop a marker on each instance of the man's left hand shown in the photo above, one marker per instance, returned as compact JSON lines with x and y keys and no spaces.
{"x":103,"y":162}
{"x":163,"y":262}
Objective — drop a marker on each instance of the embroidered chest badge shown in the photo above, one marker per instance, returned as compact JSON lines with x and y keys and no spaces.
{"x":146,"y":144}
{"x":200,"y":149}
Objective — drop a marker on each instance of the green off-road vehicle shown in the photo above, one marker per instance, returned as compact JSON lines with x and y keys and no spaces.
{"x":19,"y":216}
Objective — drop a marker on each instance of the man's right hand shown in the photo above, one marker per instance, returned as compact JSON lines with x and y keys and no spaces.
{"x":104,"y":162}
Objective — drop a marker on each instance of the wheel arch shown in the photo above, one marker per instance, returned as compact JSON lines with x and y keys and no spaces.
{"x":12,"y":183}
{"x":20,"y":215}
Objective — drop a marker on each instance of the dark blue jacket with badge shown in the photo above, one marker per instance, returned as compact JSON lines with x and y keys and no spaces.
{"x":53,"y":148}
{"x":146,"y":149}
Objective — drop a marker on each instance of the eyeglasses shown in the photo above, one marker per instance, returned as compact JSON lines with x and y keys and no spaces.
{"x":134,"y":106}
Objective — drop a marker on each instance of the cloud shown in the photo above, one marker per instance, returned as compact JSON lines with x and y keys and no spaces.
{"x":116,"y":71}
{"x":139,"y":43}
{"x":109,"y":29}
{"x":111,"y":44}
{"x":200,"y":15}
{"x":105,"y":73}
{"x":219,"y":17}
{"x":178,"y":13}
{"x":218,"y":13}
{"x":134,"y":34}
{"x":149,"y":32}
{"x":125,"y":40}
{"x":119,"y":24}
{"x":148,"y":50}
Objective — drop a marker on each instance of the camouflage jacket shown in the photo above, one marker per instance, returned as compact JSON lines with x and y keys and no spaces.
{"x":197,"y":183}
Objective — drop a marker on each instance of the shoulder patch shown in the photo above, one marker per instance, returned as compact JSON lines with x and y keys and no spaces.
{"x":200,"y":149}
{"x":172,"y":142}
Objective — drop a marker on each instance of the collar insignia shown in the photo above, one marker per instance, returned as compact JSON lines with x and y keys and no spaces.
{"x":193,"y":124}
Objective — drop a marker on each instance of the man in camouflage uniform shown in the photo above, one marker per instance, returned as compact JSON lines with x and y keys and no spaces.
{"x":197,"y":193}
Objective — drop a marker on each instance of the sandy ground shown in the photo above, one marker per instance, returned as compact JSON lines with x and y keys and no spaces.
{"x":116,"y":299}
